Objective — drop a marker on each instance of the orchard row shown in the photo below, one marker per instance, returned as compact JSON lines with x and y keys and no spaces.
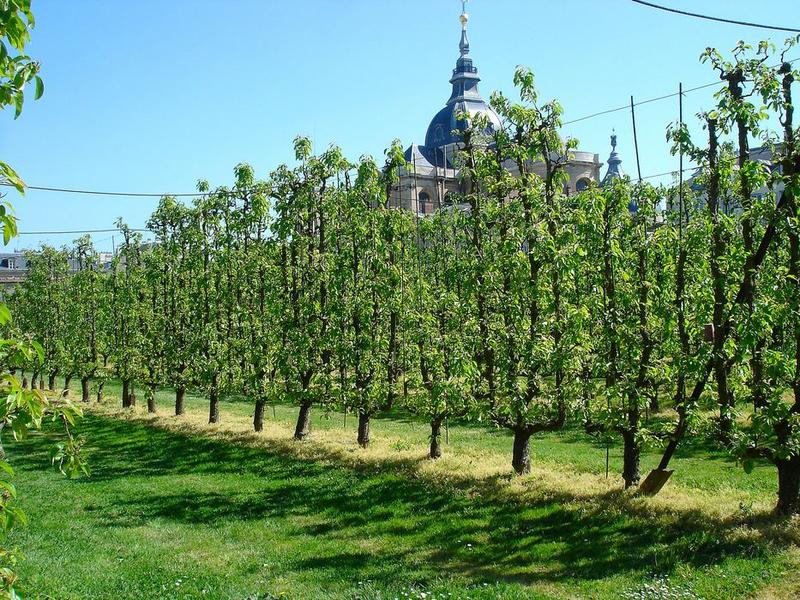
{"x":517,"y":305}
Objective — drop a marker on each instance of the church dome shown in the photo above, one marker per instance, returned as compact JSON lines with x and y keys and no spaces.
{"x":440,"y":131}
{"x":465,"y":98}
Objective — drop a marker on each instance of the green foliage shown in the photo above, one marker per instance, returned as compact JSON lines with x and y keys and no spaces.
{"x":22,"y":410}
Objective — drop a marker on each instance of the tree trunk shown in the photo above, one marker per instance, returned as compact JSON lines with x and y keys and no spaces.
{"x":151,"y":399}
{"x":24,"y":382}
{"x":213,"y":404}
{"x":126,"y":399}
{"x":101,"y":384}
{"x":436,"y":439}
{"x":303,"y":421}
{"x":391,"y":361}
{"x":655,"y":405}
{"x":67,"y":381}
{"x":51,"y":382}
{"x":521,"y":460}
{"x":180,"y":395}
{"x":725,"y":402}
{"x":630,"y":460}
{"x":132,"y":398}
{"x":258,"y":416}
{"x":41,"y":382}
{"x":363,"y":429}
{"x":85,"y":396}
{"x":788,"y":486}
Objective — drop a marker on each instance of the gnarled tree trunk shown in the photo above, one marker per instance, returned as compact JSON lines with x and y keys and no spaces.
{"x":788,"y":486}
{"x":303,"y":421}
{"x":126,"y":401}
{"x":85,"y":394}
{"x":363,"y":429}
{"x":180,"y":396}
{"x":436,"y":439}
{"x":213,"y":403}
{"x":630,"y":458}
{"x":258,"y":415}
{"x":151,"y":399}
{"x":521,"y":460}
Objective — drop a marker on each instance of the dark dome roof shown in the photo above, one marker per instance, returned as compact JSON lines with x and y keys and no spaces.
{"x":440,"y":131}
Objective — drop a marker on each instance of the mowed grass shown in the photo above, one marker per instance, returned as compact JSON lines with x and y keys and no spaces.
{"x":178,"y":509}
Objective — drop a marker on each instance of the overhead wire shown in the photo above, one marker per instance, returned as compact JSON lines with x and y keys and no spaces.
{"x":718,"y":19}
{"x":77,"y":231}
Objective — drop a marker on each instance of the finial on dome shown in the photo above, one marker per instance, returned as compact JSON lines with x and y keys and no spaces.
{"x":464,"y":18}
{"x":614,"y":161}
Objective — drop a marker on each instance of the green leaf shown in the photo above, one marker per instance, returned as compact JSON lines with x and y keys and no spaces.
{"x":18,"y":100}
{"x":39,"y":88}
{"x":5,"y":314}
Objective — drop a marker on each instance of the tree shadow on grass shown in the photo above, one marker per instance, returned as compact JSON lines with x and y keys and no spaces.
{"x":476,"y":530}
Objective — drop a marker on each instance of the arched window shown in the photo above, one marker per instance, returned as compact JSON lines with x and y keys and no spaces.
{"x":583,"y":184}
{"x":422,"y":202}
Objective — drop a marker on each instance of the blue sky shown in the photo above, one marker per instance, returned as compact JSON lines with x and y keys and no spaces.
{"x":152,"y":95}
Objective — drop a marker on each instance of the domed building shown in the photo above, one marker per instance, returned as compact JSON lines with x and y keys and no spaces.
{"x":431,"y":175}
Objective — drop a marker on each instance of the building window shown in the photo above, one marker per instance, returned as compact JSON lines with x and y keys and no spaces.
{"x":422,"y":202}
{"x":583,"y":184}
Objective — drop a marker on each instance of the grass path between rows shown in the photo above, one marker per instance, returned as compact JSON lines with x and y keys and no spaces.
{"x":176,"y":508}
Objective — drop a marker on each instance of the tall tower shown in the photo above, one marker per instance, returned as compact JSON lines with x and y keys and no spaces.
{"x":464,"y":97}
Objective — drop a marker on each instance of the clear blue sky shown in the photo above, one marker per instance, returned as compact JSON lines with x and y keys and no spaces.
{"x":153,"y":95}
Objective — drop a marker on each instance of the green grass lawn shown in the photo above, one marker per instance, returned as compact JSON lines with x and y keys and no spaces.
{"x":174,"y":515}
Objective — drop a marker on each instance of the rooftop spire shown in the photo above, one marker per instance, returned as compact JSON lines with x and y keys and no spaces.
{"x":464,"y":99}
{"x":463,"y":45}
{"x":465,"y":76}
{"x":614,"y":161}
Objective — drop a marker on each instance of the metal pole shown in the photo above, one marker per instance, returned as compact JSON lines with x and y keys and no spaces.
{"x":444,"y":178}
{"x":635,"y":140}
{"x":680,"y":164}
{"x":416,"y":185}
